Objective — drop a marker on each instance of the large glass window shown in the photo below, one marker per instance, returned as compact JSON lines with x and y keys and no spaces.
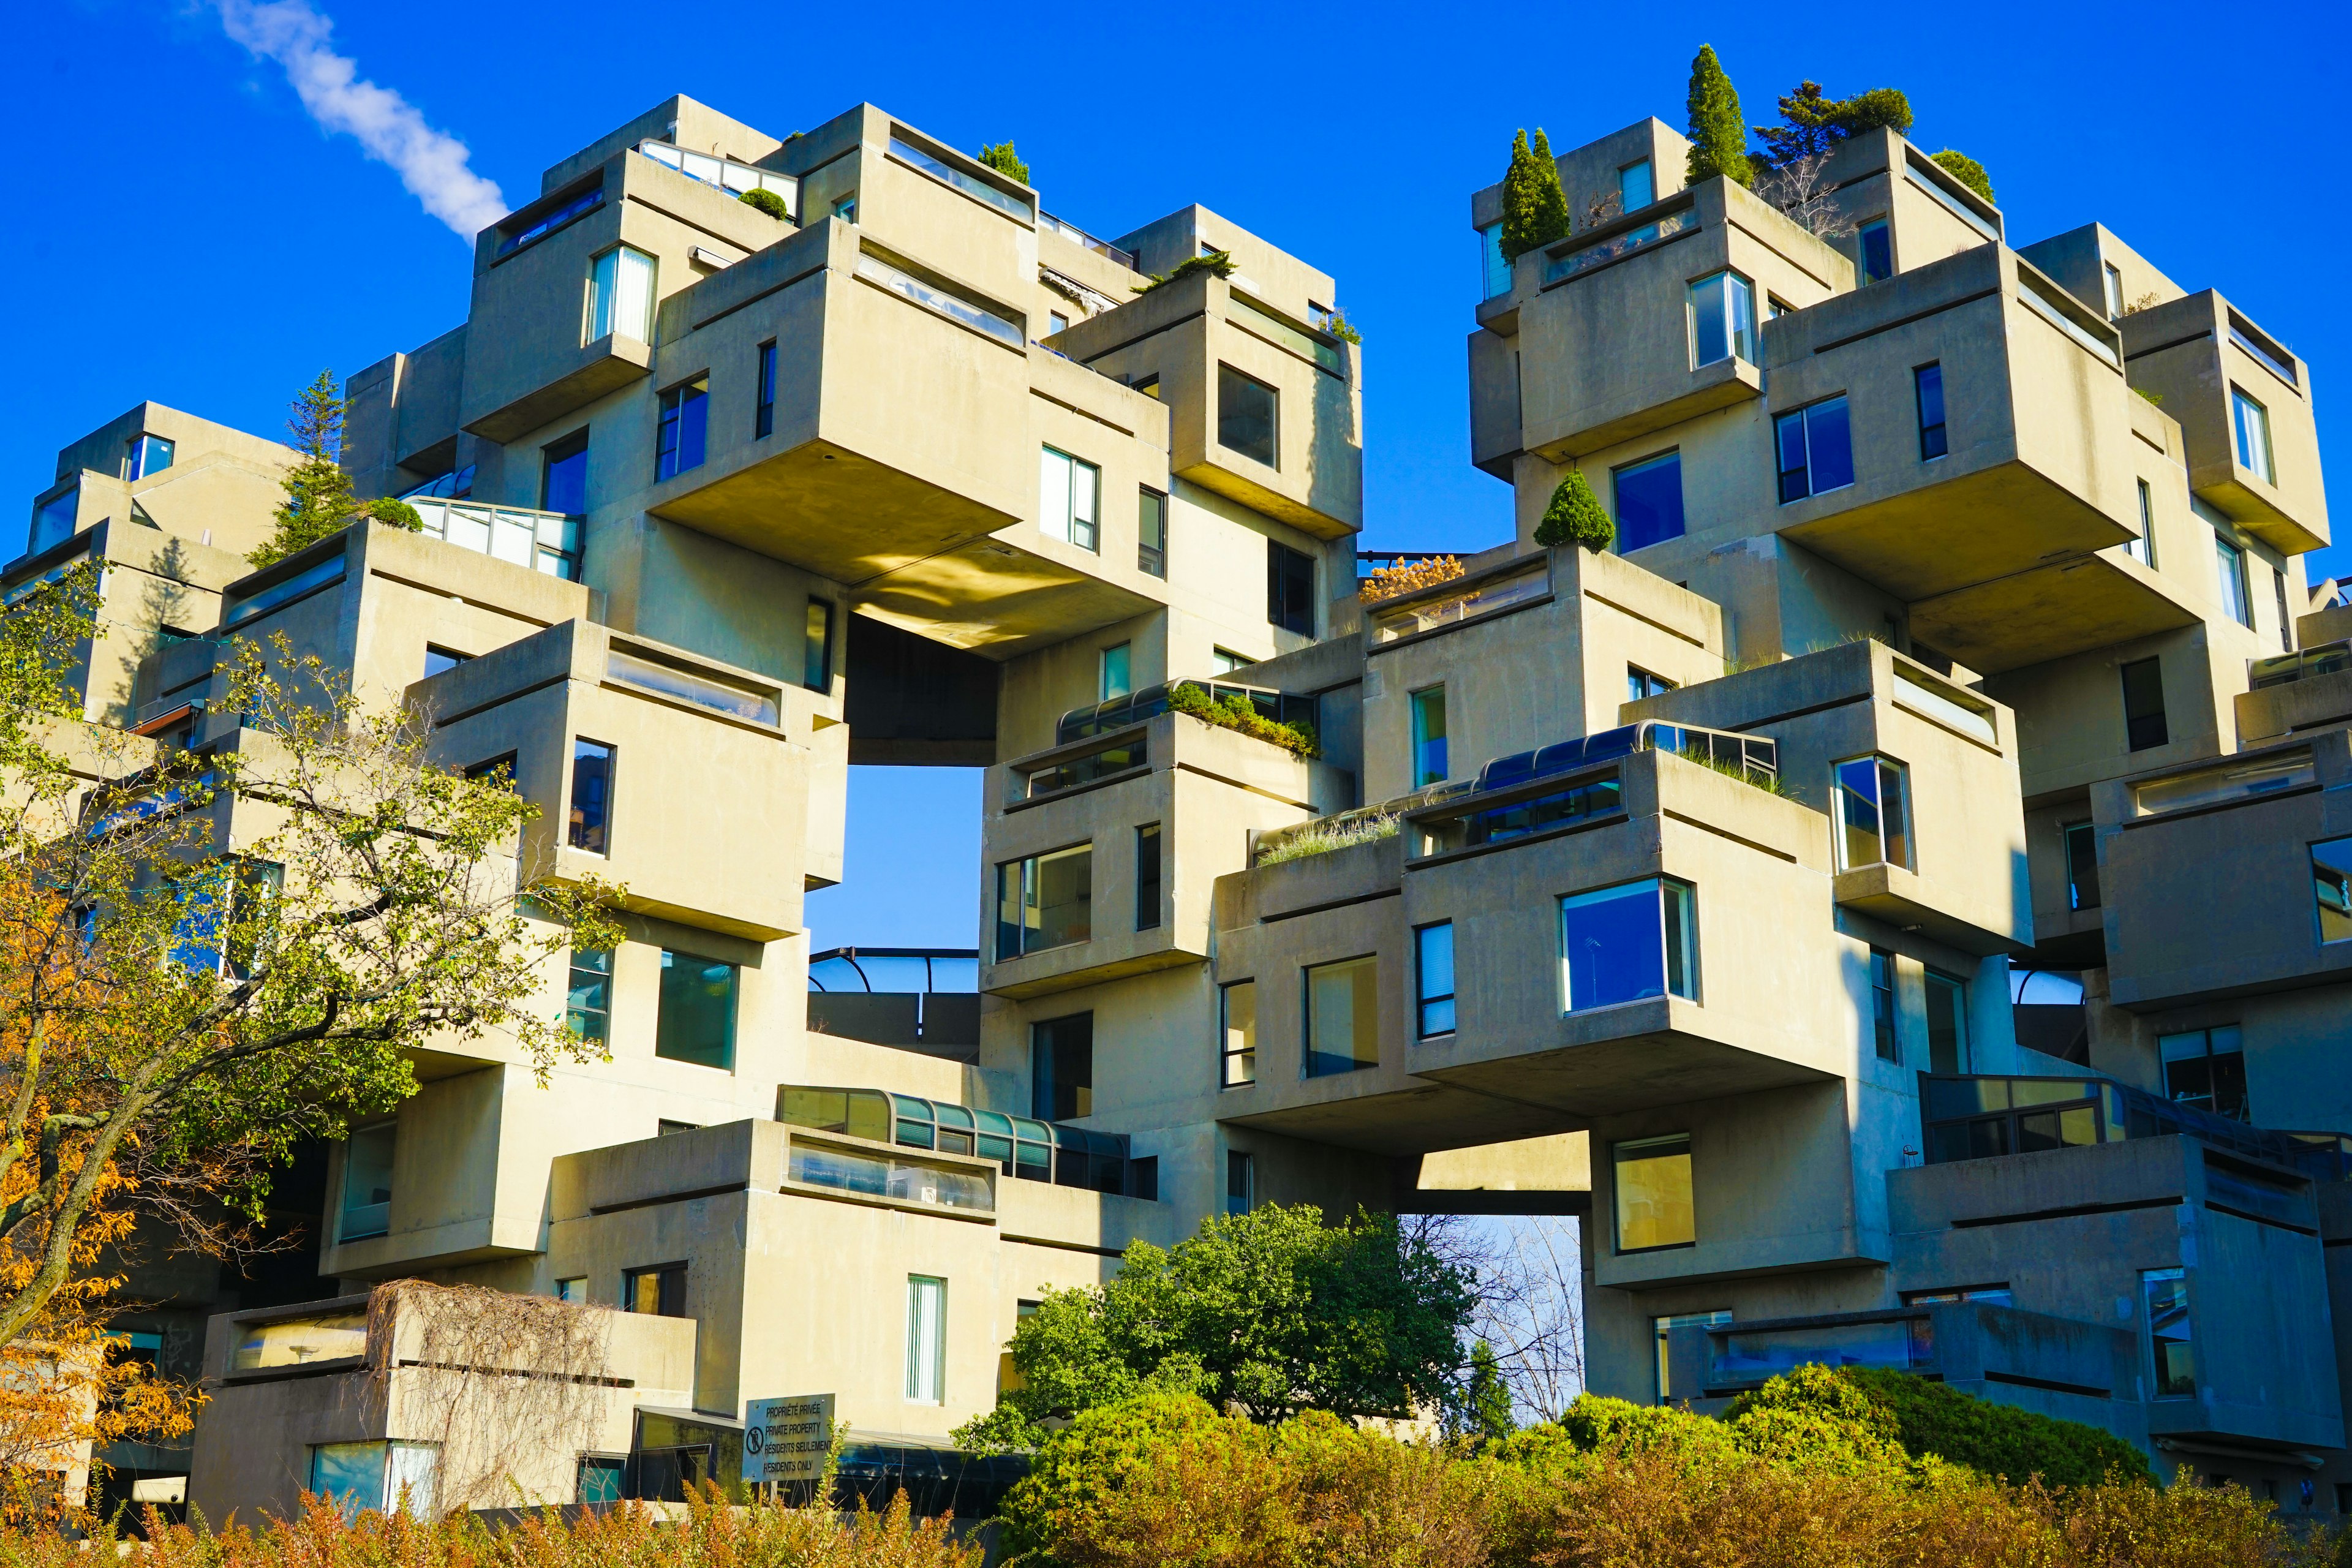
{"x":592,"y":796}
{"x":1494,"y":272}
{"x":564,"y":475}
{"x":1872,"y":812}
{"x":1433,"y":967}
{"x":1343,"y":1016}
{"x":53,"y":520}
{"x":2206,"y":1068}
{"x":1241,"y":1181}
{"x":1683,"y":1354}
{"x":2144,"y":725}
{"x":2082,"y":840}
{"x":697,"y":1023}
{"x":655,"y":1292}
{"x":1062,"y":1068}
{"x":588,"y":999}
{"x":382,"y":1476}
{"x":1816,"y":449}
{"x":1876,"y":243}
{"x":1429,"y":736}
{"x":1654,"y":1193}
{"x":1044,"y":901}
{"x":1147,"y":877}
{"x":1635,"y":186}
{"x":1150,"y":532}
{"x":682,"y":438}
{"x":2165,"y":1293}
{"x":1629,"y":942}
{"x":621,"y":296}
{"x":1649,"y":501}
{"x":1248,"y":415}
{"x":1948,"y":1023}
{"x":2250,"y":422}
{"x":1928,"y":381}
{"x":763,"y":412}
{"x":816,"y":647}
{"x":1882,"y":1006}
{"x":147,"y":456}
{"x":2331,"y":888}
{"x":367,"y":1181}
{"x":2230,"y":576}
{"x":927,"y":1340}
{"x":1115,"y":676}
{"x":1237,"y":1033}
{"x":1289,"y":588}
{"x":1068,"y":489}
{"x":1722,"y":319}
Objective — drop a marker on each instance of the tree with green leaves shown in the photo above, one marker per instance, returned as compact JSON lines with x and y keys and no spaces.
{"x":1272,"y":1311}
{"x":1812,"y":123}
{"x":1966,"y":170}
{"x":1486,"y":1413}
{"x":1718,"y":131}
{"x":319,"y":496}
{"x":1575,"y":516}
{"x":1535,"y":208}
{"x":1002,"y":158}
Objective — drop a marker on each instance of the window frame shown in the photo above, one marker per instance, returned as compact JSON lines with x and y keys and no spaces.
{"x":682,"y":422}
{"x":2230,"y":574}
{"x":1273,"y":446}
{"x":1280,"y":578}
{"x":604,"y":301}
{"x":1677,"y":926}
{"x":2143,"y":549}
{"x":1941,"y":982}
{"x":1240,"y":1170}
{"x":2250,"y":435}
{"x":1666,"y":1146}
{"x":2331,"y":888}
{"x":763,"y":406}
{"x":1047,"y":1050}
{"x":389,"y":1129}
{"x":1885,"y":1006}
{"x":1152,"y":532}
{"x":1083,"y":532}
{"x":2161,"y":1381}
{"x":1934,"y":437}
{"x":816,"y":644}
{"x":1618,"y":476}
{"x":1029,"y":877}
{"x":600,"y":980}
{"x":1419,"y":702}
{"x":2213,"y":1100}
{"x":1730,"y":311}
{"x":2073,"y":837}
{"x":1878,"y":228}
{"x":927,"y":1340}
{"x":1803,"y":420}
{"x":662,"y":1275}
{"x":733,"y":1023}
{"x":1228,"y":1052}
{"x":2114,"y":278}
{"x":1642,"y":684}
{"x":1884,"y":770}
{"x":576,"y":829}
{"x":1359,"y":1018}
{"x":2134,"y":723}
{"x":1150,"y":850}
{"x":563,"y":450}
{"x":1425,"y":999}
{"x":1115,"y":671}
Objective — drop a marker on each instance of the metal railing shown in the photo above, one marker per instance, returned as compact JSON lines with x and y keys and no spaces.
{"x":1117,"y":712}
{"x":543,"y":541}
{"x":1072,"y":232}
{"x":2286,"y":669}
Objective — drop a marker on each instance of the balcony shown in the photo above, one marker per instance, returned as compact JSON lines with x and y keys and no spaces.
{"x":541,"y":541}
{"x":1023,"y":1147}
{"x":2296,"y":691}
{"x":918,"y":999}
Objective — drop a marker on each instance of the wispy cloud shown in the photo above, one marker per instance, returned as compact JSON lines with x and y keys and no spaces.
{"x":431,"y":164}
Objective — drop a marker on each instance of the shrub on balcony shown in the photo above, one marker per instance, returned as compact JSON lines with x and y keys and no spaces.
{"x":1005,"y":160}
{"x":1219,"y":263}
{"x":1235,"y":713}
{"x":1812,"y":123}
{"x":1719,"y":132}
{"x":1322,"y":838}
{"x":768,"y":201}
{"x":1966,"y":170}
{"x":1575,"y":516}
{"x":1535,"y":208}
{"x":1387,"y":582}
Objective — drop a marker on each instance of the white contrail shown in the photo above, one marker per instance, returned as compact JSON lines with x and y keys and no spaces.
{"x":430,"y":163}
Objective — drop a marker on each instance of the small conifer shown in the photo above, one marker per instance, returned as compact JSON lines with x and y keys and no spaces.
{"x":1719,"y":132}
{"x":1535,"y":208}
{"x":1966,"y":170}
{"x":1575,"y":516}
{"x":319,"y":496}
{"x":1005,"y":160}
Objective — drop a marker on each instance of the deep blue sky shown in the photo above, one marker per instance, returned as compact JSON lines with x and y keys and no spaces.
{"x":188,"y":234}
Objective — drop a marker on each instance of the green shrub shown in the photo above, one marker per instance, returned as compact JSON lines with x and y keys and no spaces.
{"x":1966,"y":170}
{"x":1340,"y":327}
{"x":1321,"y":838}
{"x":1005,"y":160}
{"x":1219,"y":263}
{"x":1535,"y":209}
{"x":393,"y":510}
{"x":1812,"y":123}
{"x":1719,"y":132}
{"x":768,"y":201}
{"x":1235,"y":712}
{"x":1575,"y":516}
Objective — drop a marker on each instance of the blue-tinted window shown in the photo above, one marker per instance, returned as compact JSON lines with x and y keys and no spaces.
{"x":1649,"y":502}
{"x":1929,"y":381}
{"x":1433,"y":979}
{"x":1815,"y":449}
{"x":1636,"y":188}
{"x":1722,"y":319}
{"x":697,"y":1023}
{"x":53,"y":520}
{"x":763,"y":421}
{"x":1877,"y":252}
{"x":563,"y":476}
{"x":147,"y":454}
{"x":592,"y":796}
{"x":685,"y":424}
{"x":1626,"y":942}
{"x":1428,"y":760}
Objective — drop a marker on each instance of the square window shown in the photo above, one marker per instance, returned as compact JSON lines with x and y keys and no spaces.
{"x":681,"y":438}
{"x":574,"y":1290}
{"x":1248,"y":416}
{"x":1044,"y":901}
{"x":1649,"y":501}
{"x":1069,"y":489}
{"x":1630,"y":942}
{"x":1429,"y":761}
{"x":1432,"y":951}
{"x":1654,"y":1193}
{"x":1635,"y":186}
{"x":1056,"y":323}
{"x":592,"y":796}
{"x":1237,"y":1031}
{"x":1343,"y":1016}
{"x":2206,"y":1068}
{"x":1062,"y":1068}
{"x":697,"y":1021}
{"x":1928,"y":381}
{"x":1815,"y":447}
{"x":2331,"y":888}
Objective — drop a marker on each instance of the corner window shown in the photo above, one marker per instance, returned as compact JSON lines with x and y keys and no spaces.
{"x":2165,"y":1293}
{"x":1343,"y":1016}
{"x":2250,"y":422}
{"x":592,"y":796}
{"x":681,"y":439}
{"x":816,"y":647}
{"x":927,"y":1340}
{"x":1068,"y":490}
{"x":2082,"y":841}
{"x":1429,"y":761}
{"x":1150,"y":532}
{"x":2114,"y":282}
{"x":2230,"y":576}
{"x":588,"y":999}
{"x":367,"y":1181}
{"x":1882,"y":1006}
{"x":1632,"y":941}
{"x":1113,"y":672}
{"x":1494,"y":272}
{"x":1062,"y":1068}
{"x":655,"y":1292}
{"x":2144,"y":726}
{"x":1289,"y":588}
{"x":1433,"y":966}
{"x":1685,"y":1360}
{"x":2206,"y":1068}
{"x":1641,"y":684}
{"x":697,"y":1021}
{"x":1815,"y":447}
{"x":1237,"y":1031}
{"x":763,"y":413}
{"x":146,"y":456}
{"x":1248,"y":416}
{"x":1147,"y":877}
{"x":1044,"y":901}
{"x":1654,"y":1193}
{"x":2331,"y":886}
{"x":1241,"y":1181}
{"x":1722,"y":319}
{"x":1927,"y":383}
{"x":564,"y":475}
{"x":1147,"y":384}
{"x":621,"y":296}
{"x":1635,"y":188}
{"x":1875,"y":244}
{"x":1948,"y":1023}
{"x":54,"y":520}
{"x":1873,"y":819}
{"x":1649,"y":501}
{"x":2143,"y":549}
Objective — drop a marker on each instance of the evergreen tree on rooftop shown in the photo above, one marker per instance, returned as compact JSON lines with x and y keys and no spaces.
{"x":1718,"y":131}
{"x":1535,"y":208}
{"x":320,"y":500}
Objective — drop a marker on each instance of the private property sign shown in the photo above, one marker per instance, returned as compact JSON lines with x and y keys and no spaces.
{"x":785,"y":1439}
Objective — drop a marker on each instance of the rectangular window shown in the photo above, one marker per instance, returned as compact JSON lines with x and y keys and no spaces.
{"x":763,"y":414}
{"x":1635,"y":188}
{"x":1429,"y":761}
{"x":2144,"y":724}
{"x":621,"y":296}
{"x":572,"y":1289}
{"x":2143,"y":549}
{"x":438,"y":661}
{"x":1722,"y":317}
{"x":1113,"y":678}
{"x":1684,"y":1357}
{"x":2286,"y":621}
{"x":147,"y":457}
{"x":1433,"y":954}
{"x":1882,"y":1006}
{"x":927,"y":1340}
{"x":588,"y":1000}
{"x":564,"y":475}
{"x":1062,"y":1068}
{"x":1928,"y":381}
{"x":1147,"y":877}
{"x":657,"y":1292}
{"x":1654,"y":1193}
{"x":1055,"y":322}
{"x":2252,"y":423}
{"x":367,"y":1181}
{"x":2230,"y":572}
{"x":1877,"y":250}
{"x":681,"y":438}
{"x":498,"y":772}
{"x":816,"y":647}
{"x":1816,"y":449}
{"x":1224,"y":661}
{"x":54,"y":521}
{"x":592,"y":796}
{"x":2115,"y":281}
{"x":1044,"y":901}
{"x":1640,"y":684}
{"x":2331,"y":886}
{"x":1494,"y":272}
{"x":1069,"y":489}
{"x":383,"y":1476}
{"x":697,"y":1021}
{"x":1147,"y":384}
{"x":2206,"y":1068}
{"x":2081,"y":839}
{"x":1289,"y":588}
{"x":1248,"y":415}
{"x":1237,"y":1031}
{"x":1343,"y":1016}
{"x":2164,"y":1292}
{"x":1948,"y":1023}
{"x":1649,"y":501}
{"x":1241,"y":1181}
{"x":1873,"y":815}
{"x":1629,"y":942}
{"x":1151,"y":532}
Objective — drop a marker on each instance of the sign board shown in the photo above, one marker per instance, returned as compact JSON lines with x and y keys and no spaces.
{"x":785,"y":1439}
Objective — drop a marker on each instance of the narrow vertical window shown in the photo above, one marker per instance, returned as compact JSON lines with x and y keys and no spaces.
{"x":1151,"y":532}
{"x":2082,"y":841}
{"x":1494,"y":272}
{"x":1428,"y":760}
{"x":1877,"y":250}
{"x":763,"y":414}
{"x":1237,"y":1033}
{"x":367,"y":1181}
{"x":1815,"y":447}
{"x":588,"y":1002}
{"x":1649,"y":496}
{"x":1722,"y":316}
{"x":2165,"y":1294}
{"x":1241,"y":1181}
{"x":1062,"y":1068}
{"x":927,"y":1340}
{"x":1433,"y":954}
{"x":564,"y":475}
{"x":696,"y":1022}
{"x":621,"y":296}
{"x":1289,"y":588}
{"x":1112,"y":676}
{"x":1069,"y":489}
{"x":682,"y":437}
{"x":2252,"y":422}
{"x":1147,"y":877}
{"x":2143,"y":549}
{"x":1248,"y":416}
{"x":2115,"y":281}
{"x":592,"y":796}
{"x":1654,"y":1193}
{"x":1343,"y":1016}
{"x":2230,"y":572}
{"x":816,"y":647}
{"x":1635,"y":188}
{"x":2286,"y":621}
{"x":1928,"y":380}
{"x":1882,"y":1006}
{"x":2144,"y":726}
{"x":1948,"y":1023}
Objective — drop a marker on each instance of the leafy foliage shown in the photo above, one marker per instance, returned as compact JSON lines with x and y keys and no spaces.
{"x":1719,"y":131}
{"x":1812,"y":123}
{"x":767,"y":201}
{"x":1217,"y":263}
{"x":1486,"y":1402}
{"x":1234,"y":713}
{"x":319,"y":498}
{"x":1324,"y":837}
{"x":1966,"y":170}
{"x":1575,"y":516}
{"x":1384,"y":582}
{"x":1005,"y":160}
{"x":1340,"y":327}
{"x":1535,"y":208}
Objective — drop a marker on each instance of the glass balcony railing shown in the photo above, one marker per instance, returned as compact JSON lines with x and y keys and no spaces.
{"x":238,"y":608}
{"x":969,"y":184}
{"x":2286,"y":668}
{"x":1559,"y":269}
{"x":2255,"y":776}
{"x":884,"y":1176}
{"x":1717,"y":748}
{"x":1747,"y":1357}
{"x":726,"y":173}
{"x":1073,"y":233}
{"x":1023,"y":1147}
{"x":704,"y":692}
{"x":296,"y":1342}
{"x":909,"y":286}
{"x":1266,"y":324}
{"x":1452,"y":608}
{"x":1151,"y":701}
{"x":543,"y":541}
{"x":1100,"y":763}
{"x":549,"y":221}
{"x":1585,"y":799}
{"x":1984,"y":1117}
